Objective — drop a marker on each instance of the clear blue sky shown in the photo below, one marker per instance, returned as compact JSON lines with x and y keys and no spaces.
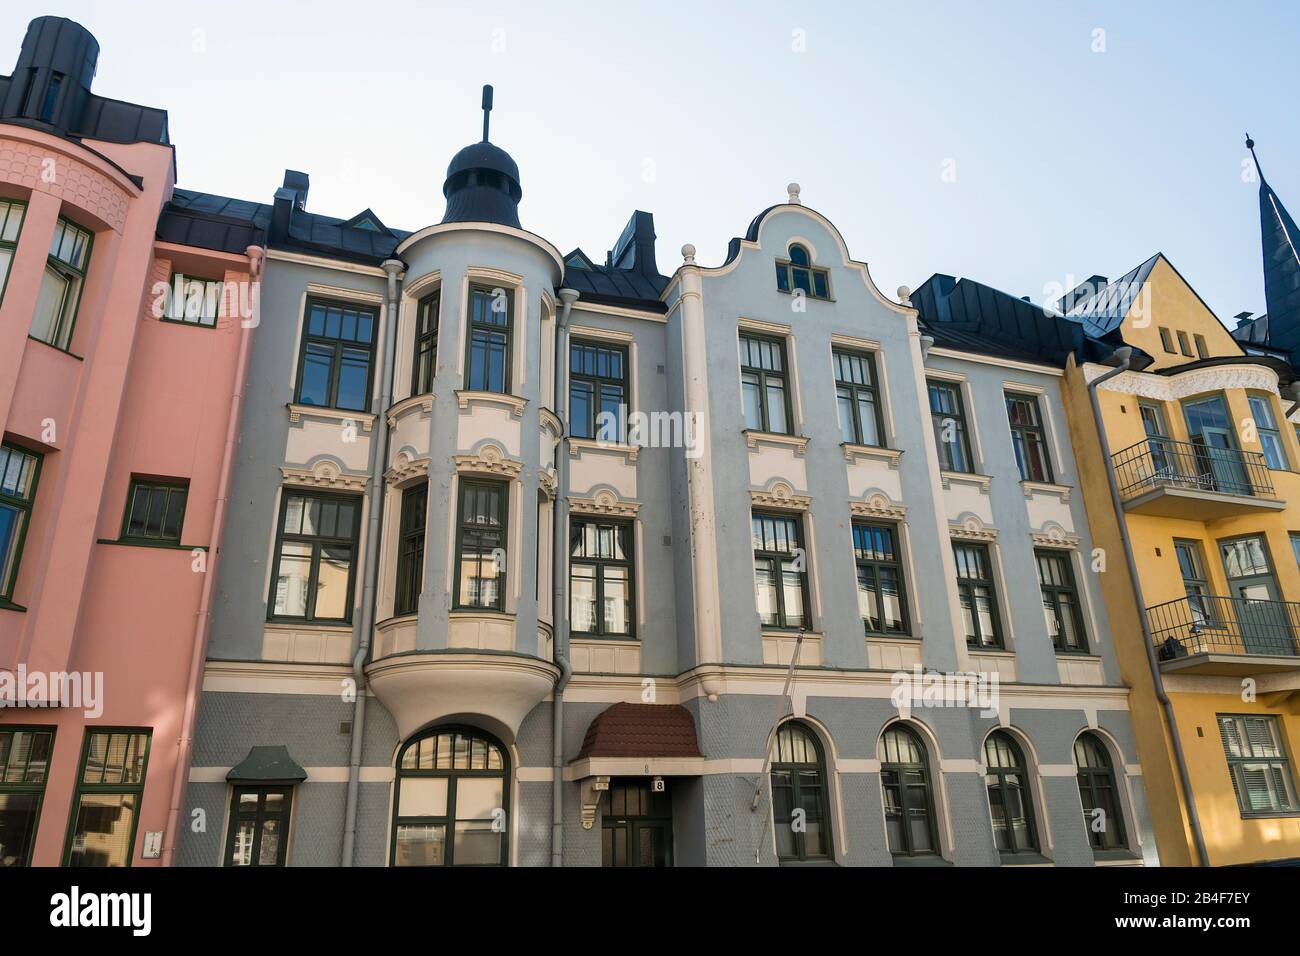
{"x":1067,"y":161}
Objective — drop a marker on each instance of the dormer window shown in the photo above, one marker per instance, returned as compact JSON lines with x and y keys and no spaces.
{"x":798,"y":272}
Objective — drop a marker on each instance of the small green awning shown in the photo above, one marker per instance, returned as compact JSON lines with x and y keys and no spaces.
{"x":265,"y":764}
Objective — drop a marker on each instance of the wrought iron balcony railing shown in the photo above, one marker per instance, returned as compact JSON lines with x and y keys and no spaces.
{"x":1206,"y":624}
{"x":1158,"y":463}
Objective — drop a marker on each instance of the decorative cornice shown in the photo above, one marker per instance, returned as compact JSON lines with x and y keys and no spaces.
{"x":580,"y":446}
{"x":946,"y":478}
{"x":324,"y":474}
{"x":1031,"y":488}
{"x":877,"y":504}
{"x":550,"y":421}
{"x":298,"y":412}
{"x":604,"y":502}
{"x":755,"y":438}
{"x":546,"y":481}
{"x":405,"y":467}
{"x":855,"y":453}
{"x":1172,"y":388}
{"x":970,"y":528}
{"x":489,"y":460}
{"x":780,"y":494}
{"x":398,"y":409}
{"x":1052,"y":535}
{"x":465,"y":398}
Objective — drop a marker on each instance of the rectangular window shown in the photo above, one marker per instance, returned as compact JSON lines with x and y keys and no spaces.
{"x":410,"y":548}
{"x":598,"y":391}
{"x":25,"y":754}
{"x":882,"y":599}
{"x":106,"y":807}
{"x":1270,"y":439}
{"x":979,"y":598}
{"x":1201,"y":350}
{"x":1167,"y":341}
{"x":488,"y":368}
{"x":1258,"y":765}
{"x":763,"y":384}
{"x":780,"y":570}
{"x":859,"y":403}
{"x":1184,"y":345}
{"x":194,"y":301}
{"x":258,"y":834}
{"x":1028,"y":438}
{"x":1195,"y":584}
{"x":338,"y":345}
{"x":1061,"y":601}
{"x":19,"y":470}
{"x":65,"y":273}
{"x":600,"y":577}
{"x":425,"y":363}
{"x":948,"y":418}
{"x":155,"y":511}
{"x":312,"y":579}
{"x":11,"y":224}
{"x":481,"y":544}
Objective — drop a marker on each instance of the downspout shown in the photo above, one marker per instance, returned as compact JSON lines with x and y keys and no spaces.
{"x":559,"y":548}
{"x":369,"y":596}
{"x":1125,"y":356}
{"x":202,"y":621}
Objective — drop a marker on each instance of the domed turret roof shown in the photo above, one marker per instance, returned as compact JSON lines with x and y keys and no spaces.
{"x":483,"y":181}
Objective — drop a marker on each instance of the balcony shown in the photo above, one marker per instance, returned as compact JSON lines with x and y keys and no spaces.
{"x":1226,"y":637}
{"x":1178,"y":479}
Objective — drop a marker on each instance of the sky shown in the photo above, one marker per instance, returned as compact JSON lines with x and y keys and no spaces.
{"x":1027,"y":145}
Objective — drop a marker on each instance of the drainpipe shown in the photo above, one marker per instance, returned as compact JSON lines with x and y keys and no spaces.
{"x":203,"y":620}
{"x":369,"y":597}
{"x":559,"y":609}
{"x":1125,"y":357}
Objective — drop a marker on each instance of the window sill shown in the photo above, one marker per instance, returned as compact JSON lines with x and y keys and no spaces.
{"x":74,"y":355}
{"x":577,"y":446}
{"x":946,"y":478}
{"x":1024,"y":859}
{"x":302,"y":623}
{"x":1086,"y":655}
{"x":481,"y":612}
{"x":1031,"y":488}
{"x":754,"y":437}
{"x":298,"y":411}
{"x":605,"y":638}
{"x":932,"y":859}
{"x":1271,"y":815}
{"x":160,"y":545}
{"x":854,"y":452}
{"x":7,"y":605}
{"x":795,"y":864}
{"x":1116,"y":856}
{"x":995,"y":651}
{"x":807,"y":295}
{"x":879,"y":636}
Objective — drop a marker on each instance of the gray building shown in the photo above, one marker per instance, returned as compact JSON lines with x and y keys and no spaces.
{"x":748,"y":464}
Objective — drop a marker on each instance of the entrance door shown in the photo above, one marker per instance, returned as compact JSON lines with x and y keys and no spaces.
{"x":1218,"y":462}
{"x":1262,"y":618}
{"x":636,"y":824}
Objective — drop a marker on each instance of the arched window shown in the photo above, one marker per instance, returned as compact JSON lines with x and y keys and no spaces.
{"x":1009,"y":794}
{"x":905,"y":781}
{"x":1101,"y":809}
{"x":799,"y":784}
{"x":452,"y":789}
{"x":799,"y":273}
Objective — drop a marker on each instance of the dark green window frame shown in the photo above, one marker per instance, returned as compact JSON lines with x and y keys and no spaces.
{"x":489,"y":345}
{"x":185,"y":291}
{"x":318,"y":315}
{"x":629,"y":811}
{"x":1099,"y":789}
{"x":610,"y":538}
{"x":947,"y":405}
{"x":486,"y":536}
{"x":24,"y":776}
{"x":878,"y":561}
{"x":424,"y":365}
{"x":1061,"y":597}
{"x":907,"y":791}
{"x":598,"y":383}
{"x":1010,"y":791}
{"x":764,"y":371}
{"x":455,"y":754}
{"x":1196,"y":584}
{"x":799,"y":783}
{"x":95,"y":781}
{"x":20,"y":472}
{"x":975,"y":582}
{"x":68,"y":260}
{"x":263,"y":819}
{"x":1252,"y":759}
{"x":318,"y":543}
{"x":410,"y":548}
{"x":797,"y":273}
{"x":155,"y":510}
{"x":777,"y":539}
{"x":12,"y":213}
{"x":1029,"y":437}
{"x":855,"y":386}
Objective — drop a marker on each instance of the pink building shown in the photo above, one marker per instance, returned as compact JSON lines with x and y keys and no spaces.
{"x":119,"y":406}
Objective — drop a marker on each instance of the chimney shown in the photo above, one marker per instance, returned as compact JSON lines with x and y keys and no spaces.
{"x":289,"y":198}
{"x":635,"y":249}
{"x":1243,"y":318}
{"x":51,"y":81}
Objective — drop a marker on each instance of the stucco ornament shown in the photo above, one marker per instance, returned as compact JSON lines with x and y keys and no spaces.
{"x":1052,"y":535}
{"x":876,"y":504}
{"x":780,"y":494}
{"x":489,"y":459}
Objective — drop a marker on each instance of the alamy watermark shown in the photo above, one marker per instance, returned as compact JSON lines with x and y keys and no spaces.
{"x":919,"y":688}
{"x":75,"y":690}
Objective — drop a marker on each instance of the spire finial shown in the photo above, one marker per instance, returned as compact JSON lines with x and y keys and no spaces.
{"x":1250,"y":145}
{"x":487,"y":110}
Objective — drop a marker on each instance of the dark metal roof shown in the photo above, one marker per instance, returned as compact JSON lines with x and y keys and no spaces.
{"x":641,"y":730}
{"x":483,"y":181}
{"x":1279,"y":237}
{"x":629,"y":277}
{"x":1103,"y":311}
{"x":265,"y":764}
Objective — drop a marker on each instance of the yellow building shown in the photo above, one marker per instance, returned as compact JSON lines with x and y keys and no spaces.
{"x":1198,"y":464}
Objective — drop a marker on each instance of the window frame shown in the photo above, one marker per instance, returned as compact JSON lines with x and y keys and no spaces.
{"x":876,"y":565}
{"x":1091,"y":775}
{"x":961,"y":424}
{"x":775,"y":561}
{"x":67,"y":322}
{"x":1284,"y":761}
{"x":169,"y":313}
{"x":170,"y":486}
{"x":793,"y":769}
{"x":1067,"y":561}
{"x":506,"y":329}
{"x":338,"y":345}
{"x":1167,"y":340}
{"x":317,"y":541}
{"x":1259,"y":402}
{"x":598,"y":384}
{"x":905,"y":804}
{"x":428,"y":321}
{"x":786,"y":268}
{"x":29,"y":788}
{"x":260,"y":817}
{"x":502,"y":488}
{"x":969,"y":584}
{"x":762,"y":375}
{"x":412,"y":542}
{"x":11,"y":245}
{"x":1003,"y":789}
{"x":872,"y":389}
{"x":578,"y":521}
{"x":24,"y":507}
{"x":82,"y":788}
{"x":1019,"y":433}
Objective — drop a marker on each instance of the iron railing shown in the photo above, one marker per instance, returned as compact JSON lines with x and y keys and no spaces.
{"x":1206,"y":624}
{"x":1164,"y":463}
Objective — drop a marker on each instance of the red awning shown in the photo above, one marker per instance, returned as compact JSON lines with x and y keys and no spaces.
{"x":641,"y":730}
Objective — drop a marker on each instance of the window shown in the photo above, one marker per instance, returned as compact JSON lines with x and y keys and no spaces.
{"x":338,"y":345}
{"x":1201,"y":350}
{"x":979,"y":600}
{"x":107,"y":802}
{"x":488,"y":368}
{"x":451,"y":779}
{"x":259,"y":826}
{"x":1101,"y":810}
{"x":425,"y":364}
{"x":798,"y":273}
{"x":11,"y":223}
{"x":763,"y":384}
{"x":312,"y":579}
{"x":855,"y":392}
{"x":780,"y":570}
{"x":25,"y":754}
{"x":1258,"y":765}
{"x":597,"y":391}
{"x":1009,"y":790}
{"x":410,"y":548}
{"x":1028,"y":438}
{"x":948,"y":418}
{"x":51,"y":97}
{"x":65,"y":273}
{"x":1061,"y":601}
{"x":1167,"y":341}
{"x":1270,"y":439}
{"x":1184,"y":345}
{"x":480,"y":545}
{"x":882,"y":603}
{"x":905,"y":783}
{"x":799,"y":783}
{"x":19,"y":470}
{"x":155,"y":511}
{"x":194,"y":301}
{"x":1195,"y":584}
{"x":600,"y":577}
